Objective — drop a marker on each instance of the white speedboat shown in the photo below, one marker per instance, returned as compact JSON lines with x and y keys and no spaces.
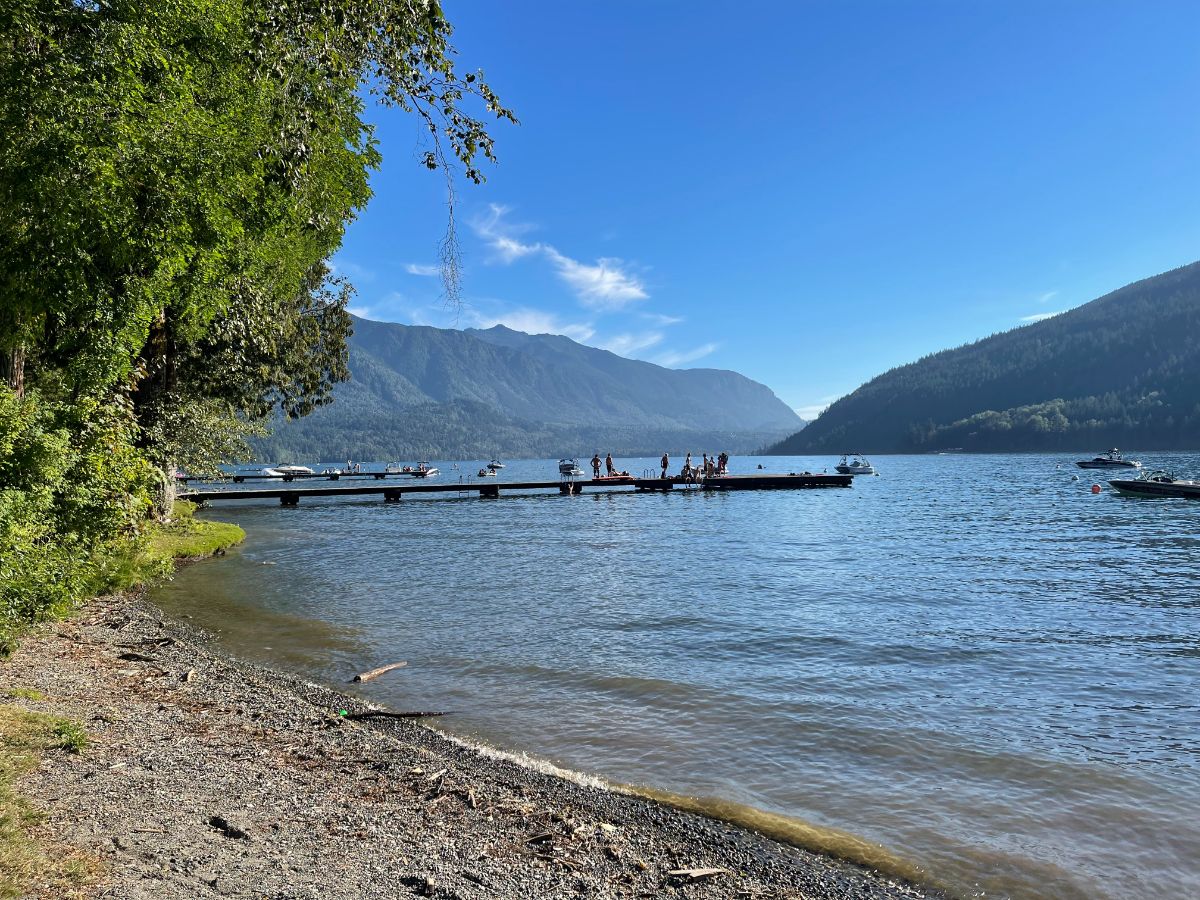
{"x":294,"y":470}
{"x":420,"y":470}
{"x":1110,"y":460}
{"x":569,"y":467}
{"x":287,"y":471}
{"x":859,"y":465}
{"x":495,"y":464}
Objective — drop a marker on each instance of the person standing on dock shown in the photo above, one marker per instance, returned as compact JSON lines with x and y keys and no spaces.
{"x":687,"y":465}
{"x":596,"y":465}
{"x":608,"y":464}
{"x":666,"y":461}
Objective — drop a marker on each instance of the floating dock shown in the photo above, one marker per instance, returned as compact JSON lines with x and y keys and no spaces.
{"x":306,"y":476}
{"x":490,"y":488}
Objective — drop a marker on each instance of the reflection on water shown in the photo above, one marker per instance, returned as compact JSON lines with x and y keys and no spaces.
{"x":969,"y":660}
{"x":215,"y":598}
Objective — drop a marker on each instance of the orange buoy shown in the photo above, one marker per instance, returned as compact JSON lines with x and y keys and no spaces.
{"x":1095,"y":488}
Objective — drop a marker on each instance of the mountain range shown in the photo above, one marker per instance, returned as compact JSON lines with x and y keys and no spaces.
{"x":1122,"y":370}
{"x":421,"y":392}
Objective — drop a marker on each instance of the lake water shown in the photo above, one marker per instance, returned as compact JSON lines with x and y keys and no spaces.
{"x":970,"y":661}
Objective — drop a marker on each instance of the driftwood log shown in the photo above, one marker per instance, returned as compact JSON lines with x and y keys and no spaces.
{"x":382,"y":670}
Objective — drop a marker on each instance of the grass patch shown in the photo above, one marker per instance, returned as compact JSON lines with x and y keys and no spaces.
{"x":25,"y":737}
{"x":186,"y":536}
{"x":20,"y":693}
{"x":71,"y":736}
{"x":147,"y":560}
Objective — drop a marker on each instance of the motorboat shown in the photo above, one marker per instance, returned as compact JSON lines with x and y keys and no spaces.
{"x":859,"y":465}
{"x":569,"y":467}
{"x":1157,"y":483}
{"x":287,"y":471}
{"x":485,"y":472}
{"x":420,"y":470}
{"x":1110,"y":460}
{"x":294,"y":470}
{"x":495,"y":464}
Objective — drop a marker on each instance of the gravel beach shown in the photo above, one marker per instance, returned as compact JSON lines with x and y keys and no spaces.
{"x":207,"y":777}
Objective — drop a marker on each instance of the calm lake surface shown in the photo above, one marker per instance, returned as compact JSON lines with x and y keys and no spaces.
{"x":969,"y":660}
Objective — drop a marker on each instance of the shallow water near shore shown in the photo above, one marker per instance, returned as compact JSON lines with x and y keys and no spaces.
{"x":971,"y":661}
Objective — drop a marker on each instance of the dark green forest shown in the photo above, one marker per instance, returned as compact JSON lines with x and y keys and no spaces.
{"x":1122,"y":370}
{"x":467,"y":429}
{"x":420,"y":392}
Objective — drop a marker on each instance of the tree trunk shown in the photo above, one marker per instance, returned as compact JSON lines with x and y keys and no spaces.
{"x":12,"y":369}
{"x":164,"y":493}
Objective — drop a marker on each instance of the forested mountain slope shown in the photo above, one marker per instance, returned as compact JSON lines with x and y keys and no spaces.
{"x":1121,"y":370}
{"x":420,"y":391}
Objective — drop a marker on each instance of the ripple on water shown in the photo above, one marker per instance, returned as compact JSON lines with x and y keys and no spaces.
{"x":970,"y":661}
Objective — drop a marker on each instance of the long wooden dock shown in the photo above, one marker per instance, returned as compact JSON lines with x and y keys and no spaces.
{"x":239,"y":478}
{"x":491,"y":488}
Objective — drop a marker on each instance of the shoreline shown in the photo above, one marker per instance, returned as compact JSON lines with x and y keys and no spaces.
{"x":208,"y":776}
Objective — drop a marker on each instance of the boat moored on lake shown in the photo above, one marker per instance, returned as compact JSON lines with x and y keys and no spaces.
{"x":287,"y":471}
{"x":569,"y":467}
{"x":495,"y":464}
{"x":420,"y":470}
{"x":1110,"y":460}
{"x":858,"y":465}
{"x":1157,"y":483}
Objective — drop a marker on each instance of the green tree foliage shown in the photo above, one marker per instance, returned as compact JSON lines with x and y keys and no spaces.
{"x":1121,"y":370}
{"x":173,"y":177}
{"x":73,"y":503}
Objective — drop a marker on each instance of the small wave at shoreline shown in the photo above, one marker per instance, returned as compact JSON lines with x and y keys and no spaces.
{"x":792,"y":831}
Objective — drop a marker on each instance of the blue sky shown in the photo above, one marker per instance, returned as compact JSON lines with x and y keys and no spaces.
{"x":807,"y":193}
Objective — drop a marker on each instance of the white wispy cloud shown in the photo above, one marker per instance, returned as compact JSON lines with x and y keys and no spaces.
{"x":679,"y":358}
{"x":533,"y":321}
{"x":660,"y":319}
{"x":423,"y":270}
{"x":499,"y":234}
{"x":625,"y":344}
{"x":604,"y":285}
{"x":1047,"y":297}
{"x":1038,"y":317}
{"x":812,"y":410}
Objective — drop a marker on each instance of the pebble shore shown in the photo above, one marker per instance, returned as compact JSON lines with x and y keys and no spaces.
{"x":207,"y":777}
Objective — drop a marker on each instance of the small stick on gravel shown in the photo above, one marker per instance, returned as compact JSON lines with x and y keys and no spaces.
{"x":696,"y":874}
{"x":382,"y":670}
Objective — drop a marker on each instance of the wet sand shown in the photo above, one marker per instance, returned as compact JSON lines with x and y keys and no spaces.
{"x":209,"y":777}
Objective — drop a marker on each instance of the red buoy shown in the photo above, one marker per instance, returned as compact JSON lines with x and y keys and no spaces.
{"x":1095,"y":488}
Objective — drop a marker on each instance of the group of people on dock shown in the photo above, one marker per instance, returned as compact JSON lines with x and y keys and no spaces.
{"x":710,"y":466}
{"x":610,"y":471}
